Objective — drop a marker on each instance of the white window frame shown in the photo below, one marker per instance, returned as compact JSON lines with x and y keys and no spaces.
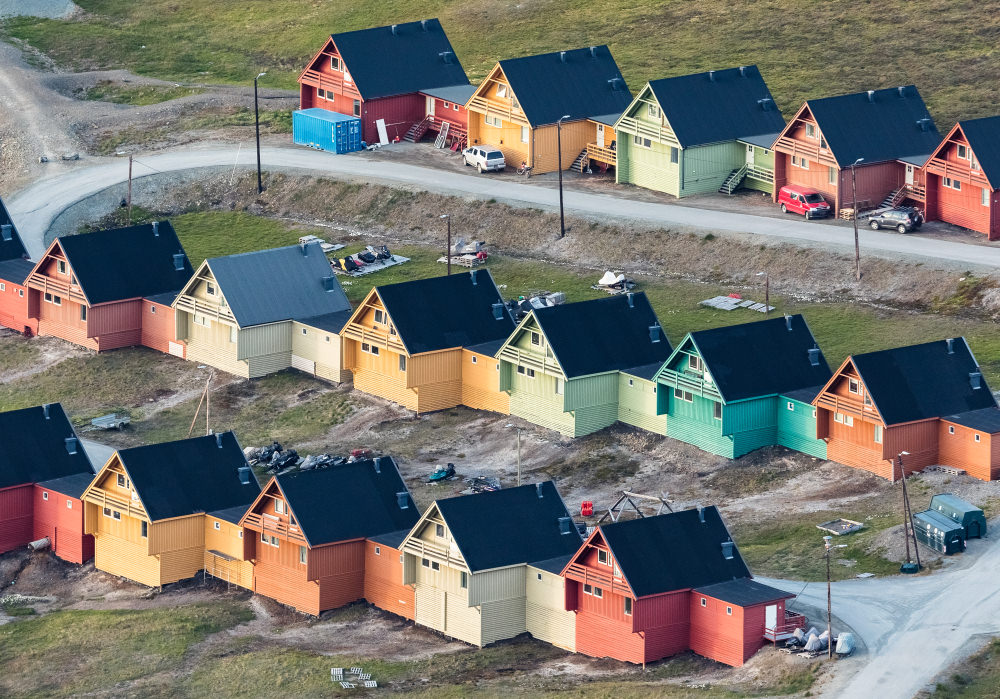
{"x":234,"y":334}
{"x":694,"y":363}
{"x":560,"y":387}
{"x":878,"y":434}
{"x":641,"y":142}
{"x":652,"y":110}
{"x":279,"y":506}
{"x":598,"y":592}
{"x":704,"y":602}
{"x":985,"y":196}
{"x":963,"y":151}
{"x":303,"y":555}
{"x":439,"y":531}
{"x":525,"y":134}
{"x":61,"y":266}
{"x":729,"y":611}
{"x":3,"y":287}
{"x":951,"y":429}
{"x":356,"y":108}
{"x":435,"y":565}
{"x":854,"y":386}
{"x":501,"y":90}
{"x":217,"y":526}
{"x":602,"y":557}
{"x":536,"y":338}
{"x":463,"y":580}
{"x":494,"y":121}
{"x":588,"y":589}
{"x":304,"y":331}
{"x":717,"y":411}
{"x":630,"y":383}
{"x":379,"y":316}
{"x":210,"y":289}
{"x":45,"y":495}
{"x":811,"y":130}
{"x":831,"y":177}
{"x":791,"y":406}
{"x":978,"y":438}
{"x":838,"y":417}
{"x":402,"y":362}
{"x":378,"y":550}
{"x":675,"y":154}
{"x":121,"y":481}
{"x":474,"y":361}
{"x":335,"y":63}
{"x":152,"y":309}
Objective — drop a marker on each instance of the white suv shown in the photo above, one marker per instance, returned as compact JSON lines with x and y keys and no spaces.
{"x":484,"y":158}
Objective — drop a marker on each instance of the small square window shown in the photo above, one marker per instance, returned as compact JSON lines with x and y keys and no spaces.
{"x":3,"y":287}
{"x":951,"y":429}
{"x":402,"y":362}
{"x":602,"y":556}
{"x":853,"y":386}
{"x":218,"y":526}
{"x":378,"y":550}
{"x":474,"y":360}
{"x":464,"y":580}
{"x":56,"y":300}
{"x":121,"y":481}
{"x":357,"y":107}
{"x":69,"y":504}
{"x":653,"y":111}
{"x":704,"y":602}
{"x":379,"y":317}
{"x":978,"y":438}
{"x":530,"y":373}
{"x":439,"y":530}
{"x":588,"y":590}
{"x":631,"y":383}
{"x":963,"y":152}
{"x":729,"y":611}
{"x":152,"y":309}
{"x":675,"y":153}
{"x":302,"y":555}
{"x":539,"y":575}
{"x":628,"y":606}
{"x":240,"y":533}
{"x":425,"y":563}
{"x":279,"y":506}
{"x":791,"y":405}
{"x":598,"y":592}
{"x":62,"y":266}
{"x":335,"y":62}
{"x":435,"y":565}
{"x":115,"y":514}
{"x":274,"y":542}
{"x":520,"y":369}
{"x":210,"y":288}
{"x":717,"y":411}
{"x":45,"y":496}
{"x":304,"y":331}
{"x":144,"y":529}
{"x":536,"y":338}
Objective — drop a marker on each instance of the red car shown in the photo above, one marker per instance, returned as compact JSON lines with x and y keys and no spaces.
{"x":802,"y":200}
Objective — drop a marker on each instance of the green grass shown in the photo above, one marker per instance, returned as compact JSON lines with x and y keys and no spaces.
{"x":946,"y":48}
{"x":70,"y":653}
{"x":215,"y":234}
{"x":136,"y":95}
{"x":18,"y":353}
{"x":977,"y":677}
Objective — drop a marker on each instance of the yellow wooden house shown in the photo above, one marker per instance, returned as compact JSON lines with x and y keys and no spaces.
{"x":163,"y":512}
{"x":256,"y":313}
{"x":519,"y":104}
{"x":473,"y":560}
{"x":428,"y":344}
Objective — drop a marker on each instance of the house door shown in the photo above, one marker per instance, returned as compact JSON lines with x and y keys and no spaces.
{"x":600,"y":135}
{"x":771,"y":616}
{"x":909,"y":175}
{"x":750,"y":155}
{"x":430,"y":106}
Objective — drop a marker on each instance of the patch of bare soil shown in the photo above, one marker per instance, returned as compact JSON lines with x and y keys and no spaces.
{"x":51,"y":351}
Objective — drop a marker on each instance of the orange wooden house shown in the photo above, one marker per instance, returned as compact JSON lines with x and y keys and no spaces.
{"x":428,"y":344}
{"x":111,"y":288}
{"x":14,"y":269}
{"x":889,"y":133}
{"x":43,"y":471}
{"x":928,"y":400}
{"x":652,"y":587}
{"x":963,"y":177}
{"x":307,"y":536}
{"x":404,"y":75}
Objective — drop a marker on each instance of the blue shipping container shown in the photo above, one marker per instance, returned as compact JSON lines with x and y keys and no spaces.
{"x":326,"y":130}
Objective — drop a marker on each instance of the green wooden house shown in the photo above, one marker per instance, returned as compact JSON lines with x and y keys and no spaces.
{"x":700,"y":133}
{"x":566,"y":367}
{"x":734,"y":389}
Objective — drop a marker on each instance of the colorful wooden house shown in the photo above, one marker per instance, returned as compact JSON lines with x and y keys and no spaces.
{"x":700,"y":133}
{"x":468,"y":559}
{"x":111,"y":288}
{"x":517,"y":107}
{"x":42,"y":466}
{"x":149,"y":507}
{"x":927,"y":400}
{"x":652,"y":587}
{"x":563,"y":366}
{"x":14,"y":270}
{"x":402,"y":75}
{"x":889,"y":133}
{"x":429,"y":344}
{"x":256,"y":313}
{"x":307,"y":532}
{"x":734,"y":389}
{"x":963,"y":177}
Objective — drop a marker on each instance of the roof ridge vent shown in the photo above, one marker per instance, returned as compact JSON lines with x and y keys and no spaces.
{"x":976,"y":380}
{"x":562,"y":56}
{"x":156,"y":229}
{"x":950,"y":342}
{"x":403,"y":500}
{"x":7,"y":231}
{"x":871,"y":95}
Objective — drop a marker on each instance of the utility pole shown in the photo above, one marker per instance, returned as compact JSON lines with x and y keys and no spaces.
{"x":256,"y":119}
{"x":128,"y":211}
{"x":857,"y":246}
{"x":447,"y":253}
{"x":829,"y":599}
{"x":562,"y":218}
{"x":908,"y":529}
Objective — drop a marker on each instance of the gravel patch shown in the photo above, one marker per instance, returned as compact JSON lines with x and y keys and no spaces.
{"x":51,"y":9}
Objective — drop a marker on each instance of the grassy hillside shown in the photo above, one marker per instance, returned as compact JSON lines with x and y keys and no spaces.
{"x":804,"y":48}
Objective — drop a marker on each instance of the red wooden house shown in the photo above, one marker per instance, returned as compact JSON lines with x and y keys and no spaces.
{"x":111,"y":288}
{"x":889,"y":133}
{"x":963,"y":177}
{"x":928,"y":400}
{"x":14,"y":269}
{"x":309,"y":547}
{"x":401,"y":74}
{"x":43,"y":471}
{"x":649,"y":588}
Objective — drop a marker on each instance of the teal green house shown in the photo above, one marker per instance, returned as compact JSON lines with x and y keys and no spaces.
{"x":735,"y":389}
{"x":580,"y":367}
{"x":700,"y":133}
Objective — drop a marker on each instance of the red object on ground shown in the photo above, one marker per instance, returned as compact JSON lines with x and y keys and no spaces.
{"x":587,"y":508}
{"x":735,"y":296}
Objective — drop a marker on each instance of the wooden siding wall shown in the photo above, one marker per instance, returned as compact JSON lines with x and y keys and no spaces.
{"x":694,"y":422}
{"x":964,"y":207}
{"x":400,"y":113}
{"x":383,"y":585}
{"x":705,"y":168}
{"x":637,"y":404}
{"x":14,"y":312}
{"x":716,"y":634}
{"x":16,"y":514}
{"x":602,"y":629}
{"x":445,"y":111}
{"x":158,"y":329}
{"x":278,"y":574}
{"x":61,"y":321}
{"x":535,"y":400}
{"x":228,"y":540}
{"x":496,"y":585}
{"x":176,"y":534}
{"x":918,"y":438}
{"x":797,"y":427}
{"x":118,"y":555}
{"x":503,"y":618}
{"x":115,"y":318}
{"x":665,"y":623}
{"x":763,"y":160}
{"x":481,"y":383}
{"x":506,"y":138}
{"x":649,"y":168}
{"x":545,"y":615}
{"x":60,"y":518}
{"x":322,"y":348}
{"x":544,"y":149}
{"x":961,"y":450}
{"x":211,"y":345}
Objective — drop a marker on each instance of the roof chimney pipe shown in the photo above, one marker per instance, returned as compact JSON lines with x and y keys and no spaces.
{"x":394,"y":29}
{"x":218,"y":440}
{"x":538,"y":489}
{"x":727,"y":550}
{"x":593,"y":52}
{"x":950,"y":342}
{"x":403,"y":500}
{"x":701,"y":514}
{"x":244,"y":473}
{"x":565,"y":525}
{"x":814,"y":356}
{"x":871,"y":95}
{"x":562,"y":56}
{"x":788,"y":322}
{"x":45,"y":411}
{"x":975,"y":380}
{"x":377,"y":463}
{"x":179,"y":261}
{"x":423,"y":24}
{"x":711,"y":76}
{"x":498,"y":311}
{"x":901,"y":90}
{"x":7,"y":231}
{"x":743,"y":71}
{"x":472,"y":275}
{"x":631,"y":301}
{"x":156,"y":229}
{"x":71,"y":445}
{"x":654,"y":333}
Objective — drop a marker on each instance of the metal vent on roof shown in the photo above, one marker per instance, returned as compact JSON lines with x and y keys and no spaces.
{"x":446,"y":56}
{"x":871,"y":95}
{"x":565,"y":525}
{"x":156,"y":229}
{"x":593,"y":52}
{"x":975,"y":380}
{"x":562,"y":56}
{"x":329,"y":283}
{"x":701,"y":514}
{"x":727,"y":550}
{"x":814,"y":356}
{"x":538,"y":489}
{"x":472,"y":275}
{"x":924,"y":124}
{"x":377,"y":464}
{"x":7,"y":231}
{"x":766,"y":104}
{"x":743,"y":71}
{"x":393,"y":28}
{"x":218,"y":440}
{"x":423,"y":24}
{"x":179,"y":261}
{"x":631,"y":301}
{"x":244,"y":473}
{"x":497,"y":311}
{"x":788,"y":322}
{"x":711,"y":76}
{"x":45,"y":411}
{"x":616,"y":84}
{"x":654,"y":332}
{"x":71,"y":445}
{"x":403,"y":500}
{"x":950,"y":342}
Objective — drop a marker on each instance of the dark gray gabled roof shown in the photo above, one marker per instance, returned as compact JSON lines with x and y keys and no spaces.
{"x":985,"y":419}
{"x":231,"y":514}
{"x":351,"y":501}
{"x":720,"y":105}
{"x":16,"y":271}
{"x":445,"y":312}
{"x":12,"y":249}
{"x":127,"y":263}
{"x":458,"y":94}
{"x":72,"y":485}
{"x":268,"y":286}
{"x":509,"y":527}
{"x":885,"y":126}
{"x":673,"y":551}
{"x":762,"y":358}
{"x":923,"y":381}
{"x":803,"y":395}
{"x":608,"y":334}
{"x":189,"y":476}
{"x":581,"y":83}
{"x":984,"y":139}
{"x":34,"y":447}
{"x":400,"y":59}
{"x":743,"y":592}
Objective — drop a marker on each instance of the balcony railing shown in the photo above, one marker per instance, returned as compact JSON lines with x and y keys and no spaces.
{"x":792,"y":146}
{"x":379,"y":338}
{"x":631,"y":125}
{"x":958,"y":172}
{"x":272,"y":525}
{"x":695,"y":384}
{"x":601,"y":154}
{"x":597,"y":578}
{"x":433,"y":552}
{"x":783,"y":629}
{"x":191,"y":304}
{"x":326,"y":81}
{"x":48,"y":285}
{"x":531,"y":360}
{"x":129,"y":507}
{"x":844,"y":404}
{"x":482,"y":105}
{"x":761,"y":174}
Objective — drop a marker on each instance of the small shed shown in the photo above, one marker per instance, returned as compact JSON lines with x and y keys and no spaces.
{"x":971,"y":518}
{"x":326,"y":130}
{"x":938,"y":532}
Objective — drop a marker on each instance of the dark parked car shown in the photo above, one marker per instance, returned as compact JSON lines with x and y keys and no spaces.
{"x":903,"y":219}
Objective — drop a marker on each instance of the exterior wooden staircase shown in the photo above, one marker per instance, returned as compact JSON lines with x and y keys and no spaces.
{"x":733,"y":180}
{"x":894,"y":198}
{"x":417,"y":131}
{"x":580,"y":162}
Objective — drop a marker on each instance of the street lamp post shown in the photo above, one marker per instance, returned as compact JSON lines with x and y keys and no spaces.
{"x":256,"y":119}
{"x":857,"y":248}
{"x":829,"y":596}
{"x":562,"y":218}
{"x":518,"y":450}
{"x":447,"y":253}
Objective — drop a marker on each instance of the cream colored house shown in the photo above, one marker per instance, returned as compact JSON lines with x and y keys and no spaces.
{"x":256,"y":313}
{"x":469,"y":559}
